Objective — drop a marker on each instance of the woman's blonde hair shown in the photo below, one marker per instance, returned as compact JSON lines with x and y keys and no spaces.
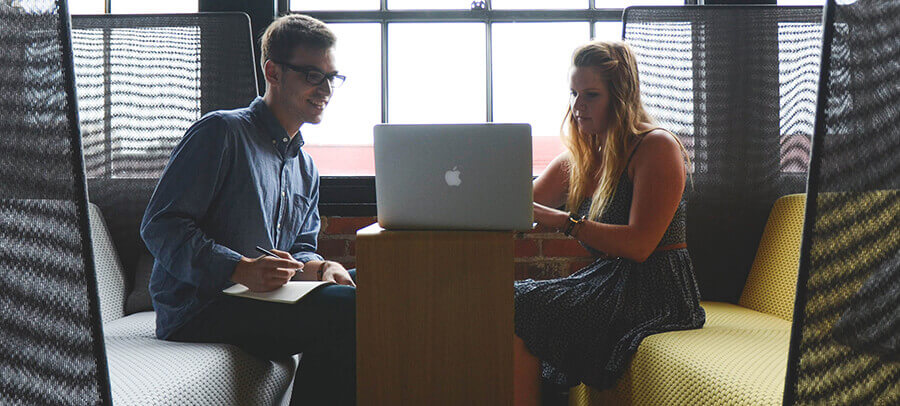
{"x":592,"y":163}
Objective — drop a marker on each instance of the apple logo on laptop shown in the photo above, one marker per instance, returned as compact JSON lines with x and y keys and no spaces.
{"x":452,"y":177}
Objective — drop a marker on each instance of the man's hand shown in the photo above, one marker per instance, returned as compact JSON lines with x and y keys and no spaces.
{"x":265,"y":273}
{"x":335,"y":272}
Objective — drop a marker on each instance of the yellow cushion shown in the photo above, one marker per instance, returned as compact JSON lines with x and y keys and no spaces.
{"x":738,"y":358}
{"x":732,"y":316}
{"x":772,"y":282}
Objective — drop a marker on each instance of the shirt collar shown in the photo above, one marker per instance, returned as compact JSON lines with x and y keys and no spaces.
{"x":288,"y":146}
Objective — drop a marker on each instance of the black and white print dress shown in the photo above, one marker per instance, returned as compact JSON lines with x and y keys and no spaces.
{"x":586,"y":327}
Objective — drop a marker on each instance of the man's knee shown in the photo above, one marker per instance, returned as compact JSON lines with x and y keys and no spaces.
{"x":337,"y":303}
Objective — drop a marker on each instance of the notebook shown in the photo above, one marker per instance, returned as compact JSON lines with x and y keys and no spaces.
{"x":290,"y":292}
{"x":453,"y":176}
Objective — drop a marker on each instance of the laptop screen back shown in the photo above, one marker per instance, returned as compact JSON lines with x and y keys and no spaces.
{"x":454,"y":176}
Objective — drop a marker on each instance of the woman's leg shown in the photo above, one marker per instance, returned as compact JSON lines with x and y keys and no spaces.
{"x":526,"y":375}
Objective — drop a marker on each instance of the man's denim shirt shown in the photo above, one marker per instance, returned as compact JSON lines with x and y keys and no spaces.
{"x":236,"y":180}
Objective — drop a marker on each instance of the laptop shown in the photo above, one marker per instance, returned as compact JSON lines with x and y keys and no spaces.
{"x":453,"y":176}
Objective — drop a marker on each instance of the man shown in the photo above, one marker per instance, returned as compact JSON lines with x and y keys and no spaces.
{"x":239,"y":179}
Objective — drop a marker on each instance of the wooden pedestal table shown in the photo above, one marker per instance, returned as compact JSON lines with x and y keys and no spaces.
{"x":434,"y":317}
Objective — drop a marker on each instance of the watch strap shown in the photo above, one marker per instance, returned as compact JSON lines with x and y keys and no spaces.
{"x":572,"y":222}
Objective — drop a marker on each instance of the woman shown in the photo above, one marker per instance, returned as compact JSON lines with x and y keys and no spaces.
{"x":621,"y":181}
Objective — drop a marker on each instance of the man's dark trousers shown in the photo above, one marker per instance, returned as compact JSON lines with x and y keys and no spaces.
{"x":321,"y":326}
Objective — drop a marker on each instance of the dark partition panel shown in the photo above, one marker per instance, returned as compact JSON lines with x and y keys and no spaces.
{"x":51,"y":342}
{"x":142,"y":81}
{"x":738,"y":85}
{"x":845,"y":344}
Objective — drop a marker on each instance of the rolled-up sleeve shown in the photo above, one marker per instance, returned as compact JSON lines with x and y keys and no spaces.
{"x":171,"y":224}
{"x":304,"y":247}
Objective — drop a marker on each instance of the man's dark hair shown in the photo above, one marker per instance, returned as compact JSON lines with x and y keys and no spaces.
{"x":290,"y":31}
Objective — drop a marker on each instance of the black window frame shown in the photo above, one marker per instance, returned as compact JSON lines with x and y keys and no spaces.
{"x":355,"y":195}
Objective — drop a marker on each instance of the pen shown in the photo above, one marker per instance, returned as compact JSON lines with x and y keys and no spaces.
{"x":271,"y":254}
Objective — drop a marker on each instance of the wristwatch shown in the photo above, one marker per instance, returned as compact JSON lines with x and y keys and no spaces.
{"x":321,"y":271}
{"x":572,"y":222}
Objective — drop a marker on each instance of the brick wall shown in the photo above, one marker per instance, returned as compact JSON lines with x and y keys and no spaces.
{"x":540,"y":253}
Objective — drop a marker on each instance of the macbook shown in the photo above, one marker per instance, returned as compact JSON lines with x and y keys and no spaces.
{"x":453,"y":176}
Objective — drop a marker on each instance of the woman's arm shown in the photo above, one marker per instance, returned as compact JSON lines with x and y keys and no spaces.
{"x":659,"y":180}
{"x":551,"y":187}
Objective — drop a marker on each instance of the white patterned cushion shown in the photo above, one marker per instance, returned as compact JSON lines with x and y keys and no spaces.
{"x":145,"y":371}
{"x":110,"y":274}
{"x":141,"y":324}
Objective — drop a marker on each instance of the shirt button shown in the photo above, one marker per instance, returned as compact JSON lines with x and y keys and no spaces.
{"x":279,"y":226}
{"x":285,"y":139}
{"x":283,"y":194}
{"x":274,"y":142}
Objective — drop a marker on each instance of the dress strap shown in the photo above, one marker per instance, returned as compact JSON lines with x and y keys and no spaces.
{"x":640,"y":138}
{"x":633,"y":151}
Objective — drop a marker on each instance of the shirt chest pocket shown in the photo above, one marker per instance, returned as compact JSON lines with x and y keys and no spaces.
{"x":300,"y":209}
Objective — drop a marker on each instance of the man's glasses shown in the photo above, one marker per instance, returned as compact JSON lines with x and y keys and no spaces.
{"x":316,"y":77}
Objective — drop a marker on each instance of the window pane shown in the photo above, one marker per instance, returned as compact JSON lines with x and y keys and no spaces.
{"x":535,"y":90}
{"x":608,"y":30}
{"x":156,"y":6}
{"x":429,"y":4}
{"x":86,"y":6}
{"x":342,"y":143}
{"x":319,"y":5}
{"x":626,"y":3}
{"x":539,"y":4}
{"x":436,"y":73}
{"x":801,"y":2}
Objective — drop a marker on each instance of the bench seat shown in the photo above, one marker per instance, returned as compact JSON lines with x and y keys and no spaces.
{"x":737,"y":358}
{"x":146,"y":371}
{"x":740,"y":355}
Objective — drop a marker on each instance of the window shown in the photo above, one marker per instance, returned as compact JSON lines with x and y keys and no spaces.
{"x":436,"y":73}
{"x":346,"y":133}
{"x":156,"y":6}
{"x":132,"y":7}
{"x":443,"y":61}
{"x":87,"y":6}
{"x":801,"y":2}
{"x":535,"y":90}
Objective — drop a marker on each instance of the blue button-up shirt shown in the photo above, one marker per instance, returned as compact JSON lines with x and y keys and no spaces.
{"x":236,"y":180}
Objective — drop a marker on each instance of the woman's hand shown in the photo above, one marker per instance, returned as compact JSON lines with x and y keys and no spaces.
{"x":549,"y":217}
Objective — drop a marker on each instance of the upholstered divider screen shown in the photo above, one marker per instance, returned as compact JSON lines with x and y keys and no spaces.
{"x":738,"y":85}
{"x":142,"y":81}
{"x":51,"y":341}
{"x":845,"y":344}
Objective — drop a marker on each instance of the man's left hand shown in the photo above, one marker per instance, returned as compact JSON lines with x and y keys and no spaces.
{"x":335,"y":272}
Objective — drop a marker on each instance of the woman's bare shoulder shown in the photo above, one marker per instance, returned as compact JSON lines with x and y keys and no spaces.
{"x":551,"y":186}
{"x":561,"y":162}
{"x":657,"y":148}
{"x":660,"y":138}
